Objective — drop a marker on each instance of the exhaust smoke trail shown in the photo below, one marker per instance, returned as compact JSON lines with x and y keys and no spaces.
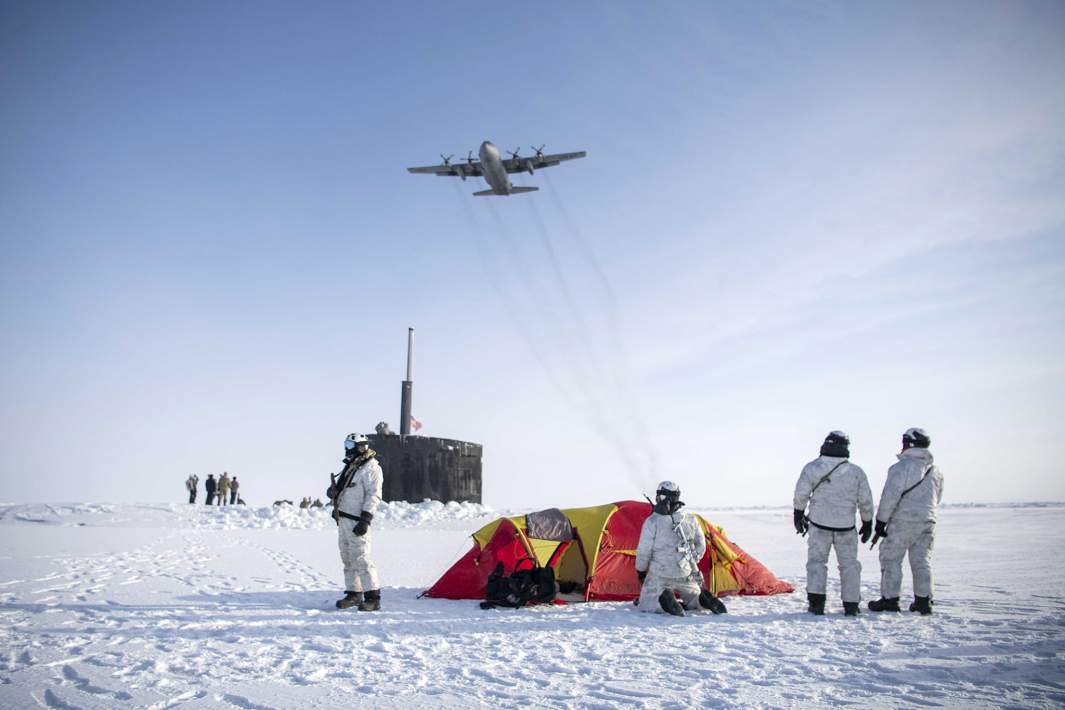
{"x":620,"y":364}
{"x":510,"y":306}
{"x":585,"y":377}
{"x":582,"y":370}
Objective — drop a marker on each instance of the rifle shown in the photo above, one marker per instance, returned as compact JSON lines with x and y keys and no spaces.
{"x":337,"y":484}
{"x":877,"y":536}
{"x":678,"y":527}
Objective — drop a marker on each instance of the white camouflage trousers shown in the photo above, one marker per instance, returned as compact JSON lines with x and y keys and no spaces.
{"x":653,"y":587}
{"x":915,"y":539}
{"x":819,"y":544}
{"x":360,"y":575}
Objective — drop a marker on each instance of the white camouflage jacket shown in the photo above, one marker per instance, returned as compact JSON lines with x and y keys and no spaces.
{"x":920,"y":504}
{"x":835,"y":501}
{"x":659,"y":552}
{"x":364,"y":491}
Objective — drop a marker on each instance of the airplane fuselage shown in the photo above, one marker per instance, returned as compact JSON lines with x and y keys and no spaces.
{"x":492,"y":167}
{"x":495,"y":170}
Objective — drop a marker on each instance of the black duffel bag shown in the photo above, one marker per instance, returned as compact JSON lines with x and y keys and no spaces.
{"x":532,"y":585}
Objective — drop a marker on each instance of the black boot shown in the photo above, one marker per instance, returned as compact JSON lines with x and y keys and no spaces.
{"x":350,"y":599}
{"x":669,"y":603}
{"x":850,"y":608}
{"x":922,"y":604}
{"x":372,"y":602}
{"x":817,"y":604}
{"x":882,"y":604}
{"x":709,"y":601}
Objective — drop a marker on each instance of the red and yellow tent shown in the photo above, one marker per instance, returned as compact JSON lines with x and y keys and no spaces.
{"x":593,"y":550}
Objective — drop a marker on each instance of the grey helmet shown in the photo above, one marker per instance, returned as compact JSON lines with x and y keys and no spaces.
{"x":916,"y":437}
{"x":667,"y":497}
{"x":837,"y":443}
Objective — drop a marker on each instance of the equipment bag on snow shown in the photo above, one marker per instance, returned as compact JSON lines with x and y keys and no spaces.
{"x":534,"y":585}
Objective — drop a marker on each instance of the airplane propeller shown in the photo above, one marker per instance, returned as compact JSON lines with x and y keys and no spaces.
{"x":469,"y":157}
{"x":539,"y":151}
{"x":447,"y":160}
{"x":514,"y":153}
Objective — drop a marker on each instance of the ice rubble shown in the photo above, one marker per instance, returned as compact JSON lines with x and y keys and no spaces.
{"x":397,"y":514}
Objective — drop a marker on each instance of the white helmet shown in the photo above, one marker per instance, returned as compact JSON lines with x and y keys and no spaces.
{"x":668,"y":487}
{"x":916,"y":436}
{"x":354,"y":439}
{"x":668,"y":496}
{"x":669,"y":492}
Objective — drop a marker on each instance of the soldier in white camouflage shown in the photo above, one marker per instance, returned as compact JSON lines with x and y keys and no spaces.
{"x":835,"y":489}
{"x":356,"y":495}
{"x":906,"y":520}
{"x":671,"y":545}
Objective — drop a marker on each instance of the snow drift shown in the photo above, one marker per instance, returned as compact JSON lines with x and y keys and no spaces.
{"x":230,"y":517}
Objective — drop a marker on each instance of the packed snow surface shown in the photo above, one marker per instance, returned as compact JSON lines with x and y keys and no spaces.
{"x":160,"y":606}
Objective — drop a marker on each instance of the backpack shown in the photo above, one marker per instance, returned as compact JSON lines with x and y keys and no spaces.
{"x":534,"y":585}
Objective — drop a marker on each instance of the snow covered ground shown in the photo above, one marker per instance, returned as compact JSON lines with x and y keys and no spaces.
{"x":160,"y":606}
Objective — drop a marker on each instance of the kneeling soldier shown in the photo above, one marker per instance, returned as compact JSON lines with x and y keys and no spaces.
{"x":667,"y":558}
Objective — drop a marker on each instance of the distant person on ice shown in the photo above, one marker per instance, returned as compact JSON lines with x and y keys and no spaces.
{"x":191,"y":484}
{"x":906,"y":520}
{"x":234,"y":486}
{"x":355,"y":493}
{"x":223,"y":489}
{"x":210,"y":485}
{"x":667,"y":558}
{"x":835,"y":489}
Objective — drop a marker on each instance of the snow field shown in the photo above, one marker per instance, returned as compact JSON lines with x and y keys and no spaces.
{"x":154,"y":607}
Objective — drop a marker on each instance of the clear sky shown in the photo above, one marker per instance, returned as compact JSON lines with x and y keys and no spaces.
{"x":793,"y":217}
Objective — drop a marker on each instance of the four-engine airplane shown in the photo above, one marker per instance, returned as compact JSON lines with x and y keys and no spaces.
{"x":495,"y":169}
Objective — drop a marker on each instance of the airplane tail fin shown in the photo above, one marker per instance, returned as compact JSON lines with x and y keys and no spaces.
{"x":513,"y":191}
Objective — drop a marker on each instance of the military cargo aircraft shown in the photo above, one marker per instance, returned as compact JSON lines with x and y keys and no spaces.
{"x":495,"y":169}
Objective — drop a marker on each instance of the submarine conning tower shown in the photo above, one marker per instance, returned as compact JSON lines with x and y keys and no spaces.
{"x":420,"y":467}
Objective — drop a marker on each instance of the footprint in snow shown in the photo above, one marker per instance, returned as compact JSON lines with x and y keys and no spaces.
{"x":240,"y":702}
{"x":86,"y":686}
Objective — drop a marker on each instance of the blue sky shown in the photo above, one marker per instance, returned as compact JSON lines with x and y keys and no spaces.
{"x":793,"y":218}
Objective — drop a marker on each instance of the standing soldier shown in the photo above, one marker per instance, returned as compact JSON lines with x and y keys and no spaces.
{"x":223,"y":489}
{"x":210,"y":485}
{"x":355,"y":493}
{"x":234,"y":486}
{"x":667,"y":558}
{"x":835,"y":489}
{"x":190,"y":486}
{"x":907,"y":522}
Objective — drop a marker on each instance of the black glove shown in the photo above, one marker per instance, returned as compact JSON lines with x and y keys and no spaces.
{"x":866,"y":531}
{"x":363,"y":526}
{"x":642,"y":575}
{"x":881,"y":528}
{"x":801,"y":524}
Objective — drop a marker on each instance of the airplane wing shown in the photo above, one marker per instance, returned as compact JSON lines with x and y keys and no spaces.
{"x":462,"y":170}
{"x":521,"y":164}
